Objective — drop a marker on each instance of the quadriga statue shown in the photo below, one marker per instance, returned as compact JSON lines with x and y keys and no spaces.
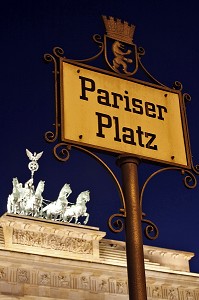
{"x":26,"y":200}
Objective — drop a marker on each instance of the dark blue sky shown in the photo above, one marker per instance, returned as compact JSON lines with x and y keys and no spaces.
{"x":168,"y":31}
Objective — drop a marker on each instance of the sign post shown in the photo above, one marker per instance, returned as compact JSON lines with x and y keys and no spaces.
{"x":134,"y":243}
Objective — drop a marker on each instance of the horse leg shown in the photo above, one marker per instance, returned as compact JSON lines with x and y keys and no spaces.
{"x":69,"y":220}
{"x":48,"y":215}
{"x":87,"y":217}
{"x":15,"y":208}
{"x":41,"y":212}
{"x":9,"y":206}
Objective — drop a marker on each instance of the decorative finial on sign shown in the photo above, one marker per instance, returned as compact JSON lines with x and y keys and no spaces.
{"x":33,"y":166}
{"x":119,"y":30}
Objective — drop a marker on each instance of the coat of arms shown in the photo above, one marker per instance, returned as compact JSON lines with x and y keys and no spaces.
{"x":120,"y":52}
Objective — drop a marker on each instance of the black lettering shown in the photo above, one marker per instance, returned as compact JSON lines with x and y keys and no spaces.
{"x":140,"y":133}
{"x":115,"y":98}
{"x":106,"y":123}
{"x":152,"y":137}
{"x":137,"y":106}
{"x":90,"y":87}
{"x":117,"y":136}
{"x":128,"y":138}
{"x":150,"y":109}
{"x":127,"y":107}
{"x":160,"y":110}
{"x":104,"y":100}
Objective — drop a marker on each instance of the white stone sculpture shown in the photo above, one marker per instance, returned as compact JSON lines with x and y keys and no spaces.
{"x":13,"y":203}
{"x":26,"y":200}
{"x":33,"y":165}
{"x":78,"y":209}
{"x":32,"y":201}
{"x":56,"y":208}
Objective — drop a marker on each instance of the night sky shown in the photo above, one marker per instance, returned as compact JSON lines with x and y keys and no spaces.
{"x":168,"y":31}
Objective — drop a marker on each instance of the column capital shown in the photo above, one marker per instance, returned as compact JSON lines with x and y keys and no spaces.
{"x":123,"y":159}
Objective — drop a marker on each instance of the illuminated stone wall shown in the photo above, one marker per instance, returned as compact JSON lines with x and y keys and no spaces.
{"x":42,"y":259}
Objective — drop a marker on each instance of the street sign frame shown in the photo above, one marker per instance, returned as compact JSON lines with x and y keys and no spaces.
{"x":85,"y":98}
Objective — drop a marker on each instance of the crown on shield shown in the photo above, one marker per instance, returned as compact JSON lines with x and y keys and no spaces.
{"x":119,"y":30}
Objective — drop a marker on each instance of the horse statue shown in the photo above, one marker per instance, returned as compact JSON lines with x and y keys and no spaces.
{"x":120,"y":58}
{"x":13,"y":203}
{"x":56,"y":208}
{"x":31,"y":203}
{"x":78,"y":210}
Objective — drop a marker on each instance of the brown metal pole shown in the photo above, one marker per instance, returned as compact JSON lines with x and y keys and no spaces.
{"x":134,"y":243}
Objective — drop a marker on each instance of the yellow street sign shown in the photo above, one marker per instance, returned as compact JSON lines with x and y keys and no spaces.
{"x":122,"y":115}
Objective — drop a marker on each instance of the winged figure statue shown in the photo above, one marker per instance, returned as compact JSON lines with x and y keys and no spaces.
{"x":33,"y":156}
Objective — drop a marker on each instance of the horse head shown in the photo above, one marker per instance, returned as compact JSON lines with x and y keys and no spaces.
{"x":40,"y":188}
{"x":15,"y":181}
{"x":83,"y":197}
{"x":65,"y":191}
{"x":16,"y":188}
